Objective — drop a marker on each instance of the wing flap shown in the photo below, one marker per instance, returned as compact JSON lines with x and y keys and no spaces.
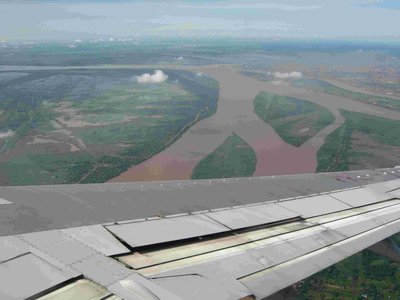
{"x":164,"y":230}
{"x":237,"y":218}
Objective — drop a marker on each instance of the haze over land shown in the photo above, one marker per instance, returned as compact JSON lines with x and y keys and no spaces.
{"x":124,"y":19}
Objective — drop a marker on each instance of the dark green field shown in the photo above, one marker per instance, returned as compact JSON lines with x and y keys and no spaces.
{"x":293,"y":119}
{"x":362,"y":139}
{"x":89,"y":126}
{"x":233,"y":158}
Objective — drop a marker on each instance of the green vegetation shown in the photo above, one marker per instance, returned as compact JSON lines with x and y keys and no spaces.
{"x":21,"y":118}
{"x":233,"y":158}
{"x":381,"y":130}
{"x":325,"y":87}
{"x":336,"y":151}
{"x":293,"y":119}
{"x":69,"y":137}
{"x":29,"y":169}
{"x":338,"y":154}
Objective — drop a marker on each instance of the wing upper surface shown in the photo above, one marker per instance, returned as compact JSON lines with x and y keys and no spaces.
{"x":171,"y":240}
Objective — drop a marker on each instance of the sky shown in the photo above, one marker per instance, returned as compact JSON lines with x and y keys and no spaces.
{"x":91,"y":19}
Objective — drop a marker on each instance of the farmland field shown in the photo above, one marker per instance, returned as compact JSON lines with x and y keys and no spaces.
{"x":233,"y":158}
{"x":363,"y":141}
{"x":293,"y":119}
{"x":88,"y":125}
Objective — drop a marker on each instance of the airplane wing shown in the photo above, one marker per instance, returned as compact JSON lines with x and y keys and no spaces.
{"x":237,"y":238}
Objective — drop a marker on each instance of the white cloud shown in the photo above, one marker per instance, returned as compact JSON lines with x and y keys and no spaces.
{"x":287,"y":75}
{"x":158,"y":76}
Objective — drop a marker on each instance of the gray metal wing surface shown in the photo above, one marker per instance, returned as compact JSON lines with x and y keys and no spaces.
{"x":236,"y":238}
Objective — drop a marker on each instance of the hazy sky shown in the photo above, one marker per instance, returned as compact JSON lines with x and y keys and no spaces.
{"x":73,"y":19}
